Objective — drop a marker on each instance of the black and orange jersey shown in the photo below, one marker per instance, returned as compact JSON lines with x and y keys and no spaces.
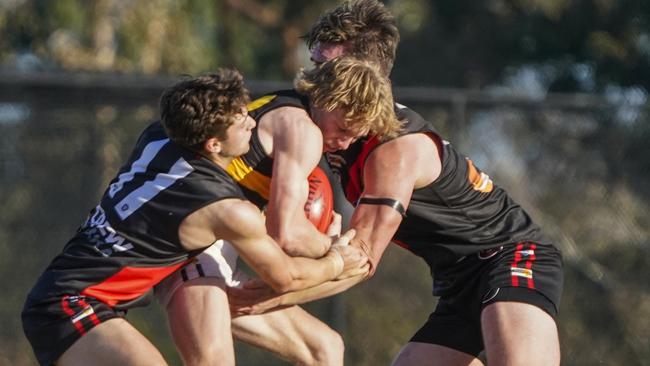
{"x":460,"y":213}
{"x":253,"y":170}
{"x":130,"y":241}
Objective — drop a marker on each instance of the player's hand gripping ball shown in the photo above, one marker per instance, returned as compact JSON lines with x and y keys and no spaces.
{"x":320,"y":201}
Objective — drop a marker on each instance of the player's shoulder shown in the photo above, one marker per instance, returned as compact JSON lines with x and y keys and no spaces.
{"x":411,"y":120}
{"x":235,"y":215}
{"x":273,"y":101}
{"x":234,"y":208}
{"x":291,"y":123}
{"x":403,"y":111}
{"x":287,"y":115}
{"x":413,"y":140}
{"x":403,"y":148}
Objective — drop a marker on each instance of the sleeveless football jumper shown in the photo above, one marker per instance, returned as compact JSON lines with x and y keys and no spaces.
{"x":128,"y":243}
{"x":480,"y":245}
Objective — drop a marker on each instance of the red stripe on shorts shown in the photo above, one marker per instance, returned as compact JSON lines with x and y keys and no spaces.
{"x":515,"y":279}
{"x":93,"y":316}
{"x":65,"y":304}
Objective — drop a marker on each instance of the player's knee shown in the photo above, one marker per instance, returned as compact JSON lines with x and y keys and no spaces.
{"x":324,"y":349}
{"x":330,"y":349}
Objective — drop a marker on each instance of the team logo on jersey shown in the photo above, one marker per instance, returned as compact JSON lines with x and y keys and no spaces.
{"x":489,"y":253}
{"x":101,"y":233}
{"x":521,"y":272}
{"x":479,"y":180}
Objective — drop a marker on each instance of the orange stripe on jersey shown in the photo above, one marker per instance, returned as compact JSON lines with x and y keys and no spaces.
{"x":480,"y":181}
{"x":129,"y":283}
{"x":249,"y":178}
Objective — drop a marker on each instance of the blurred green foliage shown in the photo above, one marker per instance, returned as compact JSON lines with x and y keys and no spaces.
{"x":581,"y":45}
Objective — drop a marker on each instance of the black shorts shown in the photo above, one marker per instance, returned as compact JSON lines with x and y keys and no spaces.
{"x":524,"y":272}
{"x":52,"y":325}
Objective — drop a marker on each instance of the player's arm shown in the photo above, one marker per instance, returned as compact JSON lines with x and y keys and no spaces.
{"x":297,"y":148}
{"x":241,"y":223}
{"x":392,"y":171}
{"x":256,"y":297}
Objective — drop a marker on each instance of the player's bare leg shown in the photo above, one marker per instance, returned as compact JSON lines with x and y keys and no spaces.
{"x":199,"y":319}
{"x":426,"y":354}
{"x":519,"y":334}
{"x":293,"y":334}
{"x":113,"y":342}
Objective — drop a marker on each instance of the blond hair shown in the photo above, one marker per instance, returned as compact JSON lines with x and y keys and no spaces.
{"x":358,"y":88}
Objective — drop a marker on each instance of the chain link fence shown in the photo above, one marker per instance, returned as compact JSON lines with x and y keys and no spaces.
{"x":580,"y":164}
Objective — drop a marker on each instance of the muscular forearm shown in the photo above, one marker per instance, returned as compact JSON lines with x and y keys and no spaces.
{"x":321,"y":291}
{"x":307,"y":242}
{"x":260,"y":299}
{"x":306,"y":273}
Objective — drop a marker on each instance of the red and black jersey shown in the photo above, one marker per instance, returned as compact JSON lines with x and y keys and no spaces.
{"x":460,"y":213}
{"x":253,"y":170}
{"x":130,"y":241}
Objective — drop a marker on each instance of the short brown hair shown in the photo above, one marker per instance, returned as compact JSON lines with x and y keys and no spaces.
{"x":358,"y":88}
{"x":366,"y":25}
{"x":197,"y":109}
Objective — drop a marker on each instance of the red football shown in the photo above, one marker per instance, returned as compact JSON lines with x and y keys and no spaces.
{"x":320,"y":201}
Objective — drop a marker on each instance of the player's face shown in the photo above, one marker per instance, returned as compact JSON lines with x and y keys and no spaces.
{"x":335,"y":135}
{"x":327,"y":51}
{"x":238,"y":135}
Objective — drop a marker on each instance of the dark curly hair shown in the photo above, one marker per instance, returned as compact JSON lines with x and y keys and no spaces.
{"x":365,"y":25}
{"x":197,"y":109}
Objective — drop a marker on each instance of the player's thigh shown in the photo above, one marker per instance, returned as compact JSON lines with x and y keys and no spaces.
{"x":288,"y":332}
{"x":426,"y":354}
{"x":113,"y":342}
{"x":199,"y":320}
{"x":516,"y":333}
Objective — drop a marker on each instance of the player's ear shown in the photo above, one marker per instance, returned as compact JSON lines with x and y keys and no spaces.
{"x":212,"y":145}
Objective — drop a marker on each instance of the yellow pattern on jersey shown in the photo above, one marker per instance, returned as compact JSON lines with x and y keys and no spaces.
{"x":246,"y":176}
{"x":260,"y":102}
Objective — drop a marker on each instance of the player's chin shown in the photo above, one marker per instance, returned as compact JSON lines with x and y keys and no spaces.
{"x":328,"y":149}
{"x":244,"y":149}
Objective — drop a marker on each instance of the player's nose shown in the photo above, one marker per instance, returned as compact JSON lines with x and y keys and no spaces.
{"x":251,"y":122}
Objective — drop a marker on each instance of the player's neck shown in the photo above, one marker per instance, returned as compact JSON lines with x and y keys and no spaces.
{"x":221,"y":160}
